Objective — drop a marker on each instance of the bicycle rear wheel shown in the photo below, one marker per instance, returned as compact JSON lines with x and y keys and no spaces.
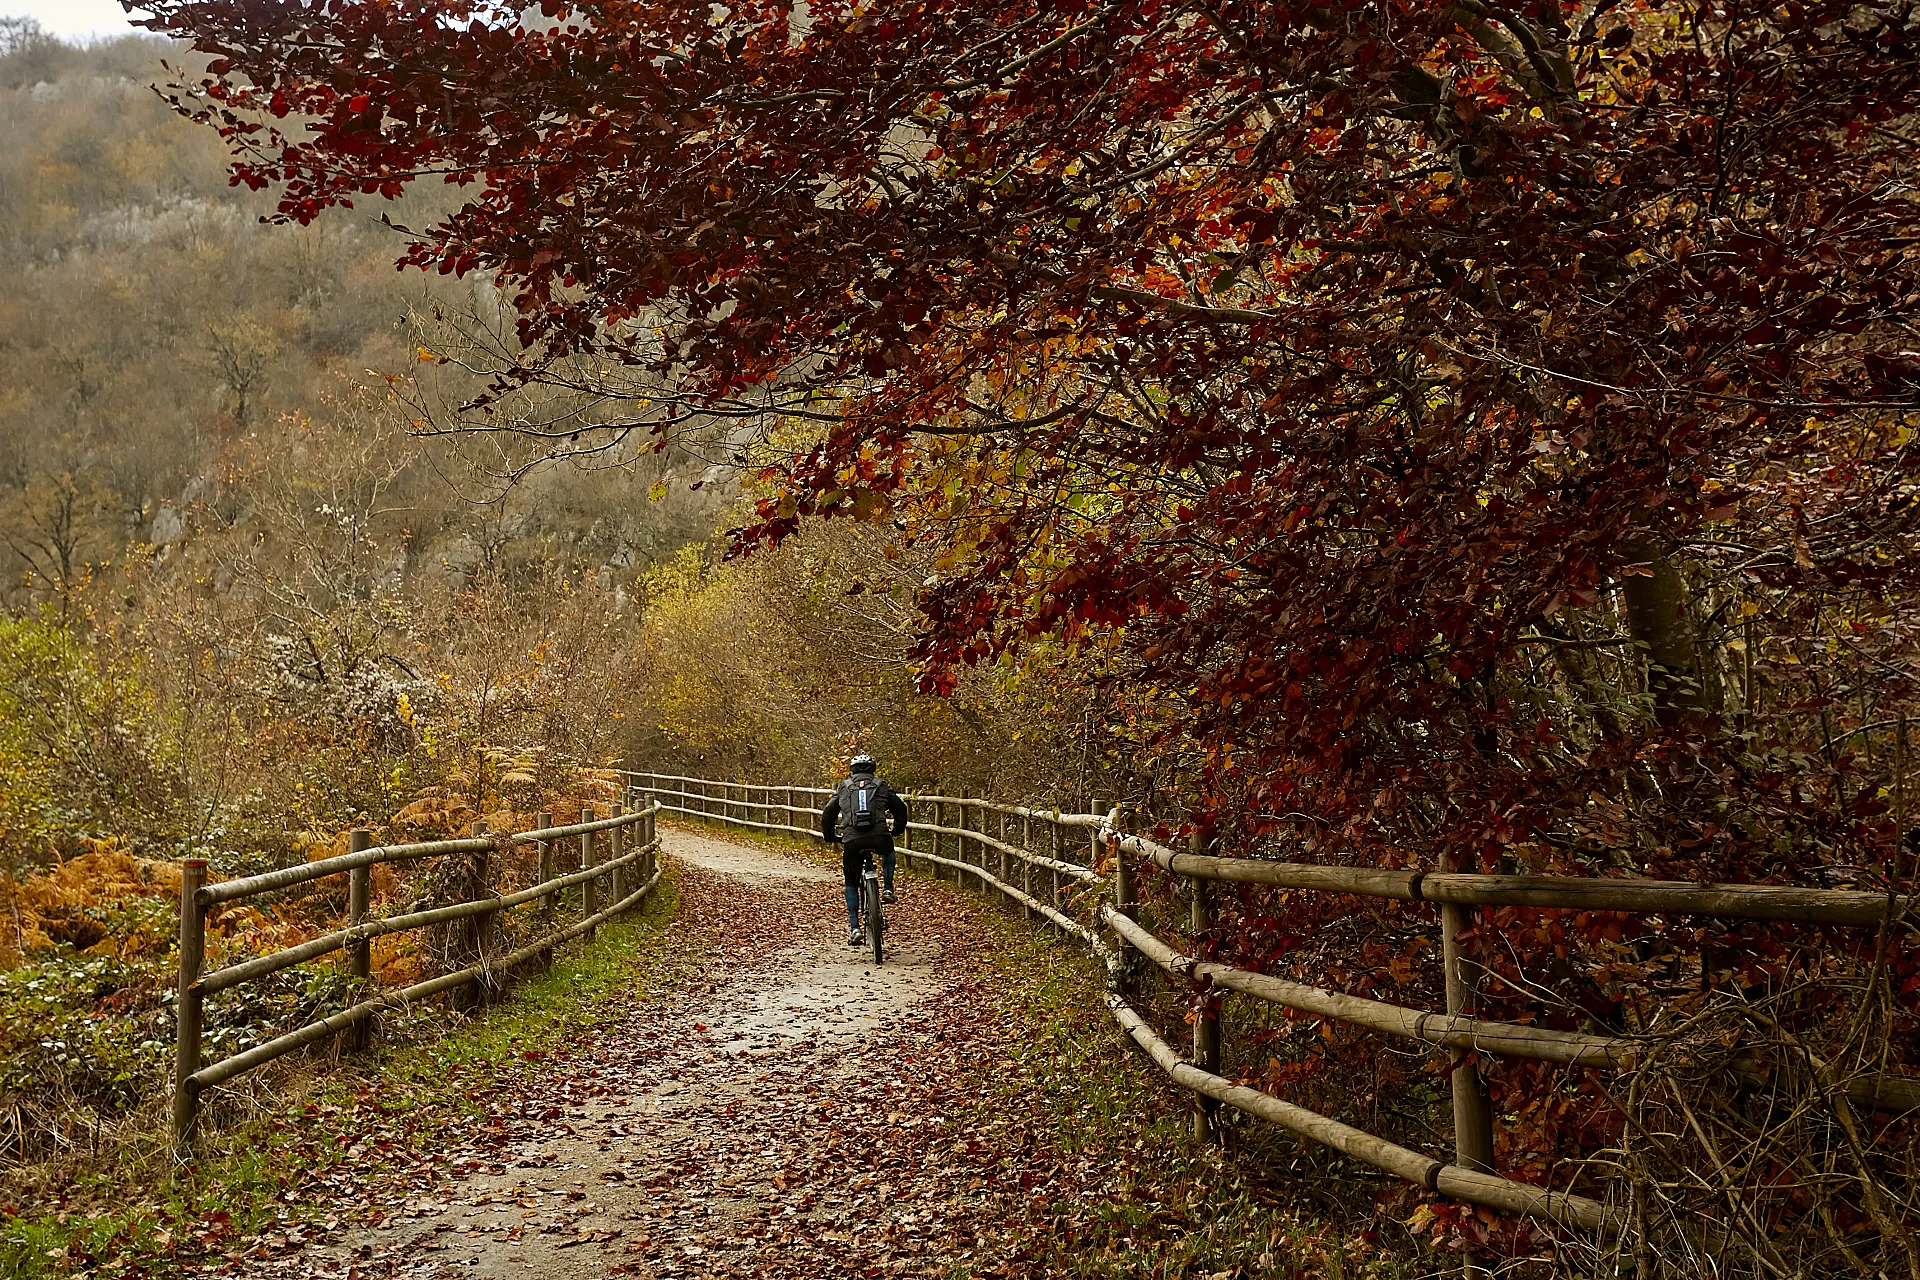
{"x":870,"y":889}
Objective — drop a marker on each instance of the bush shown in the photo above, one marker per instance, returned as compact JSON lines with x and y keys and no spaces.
{"x":83,"y":746}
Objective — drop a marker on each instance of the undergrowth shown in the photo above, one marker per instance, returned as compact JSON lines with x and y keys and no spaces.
{"x":334,"y":1126}
{"x":1257,"y":1203}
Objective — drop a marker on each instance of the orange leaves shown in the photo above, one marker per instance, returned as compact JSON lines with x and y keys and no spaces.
{"x":62,"y":904}
{"x":1159,"y":280}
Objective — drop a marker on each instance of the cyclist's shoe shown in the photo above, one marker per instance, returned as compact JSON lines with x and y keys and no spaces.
{"x":886,"y":895}
{"x":853,"y":938}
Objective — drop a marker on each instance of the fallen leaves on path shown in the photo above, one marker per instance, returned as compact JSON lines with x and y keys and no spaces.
{"x":703,"y":1133}
{"x":779,"y":1109}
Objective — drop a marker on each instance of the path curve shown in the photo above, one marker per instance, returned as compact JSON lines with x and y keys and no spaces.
{"x":793,"y":1111}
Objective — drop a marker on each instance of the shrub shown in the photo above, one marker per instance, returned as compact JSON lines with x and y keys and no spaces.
{"x":83,"y":746}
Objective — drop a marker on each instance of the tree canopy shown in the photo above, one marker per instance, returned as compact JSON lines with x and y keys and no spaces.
{"x":1488,"y":427}
{"x":1338,"y":351}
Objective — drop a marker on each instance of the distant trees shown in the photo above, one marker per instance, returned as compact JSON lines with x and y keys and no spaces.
{"x":770,"y":668}
{"x":150,"y":320}
{"x":21,"y":35}
{"x":203,"y":482}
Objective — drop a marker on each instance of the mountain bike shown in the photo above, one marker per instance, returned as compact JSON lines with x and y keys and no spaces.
{"x":871,"y":920}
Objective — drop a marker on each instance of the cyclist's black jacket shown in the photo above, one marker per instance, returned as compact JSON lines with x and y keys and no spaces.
{"x":896,"y":816}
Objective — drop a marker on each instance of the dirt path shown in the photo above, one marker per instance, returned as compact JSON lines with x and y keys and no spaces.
{"x":794,"y":1111}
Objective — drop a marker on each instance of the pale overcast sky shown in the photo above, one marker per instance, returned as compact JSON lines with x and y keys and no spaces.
{"x":72,"y":19}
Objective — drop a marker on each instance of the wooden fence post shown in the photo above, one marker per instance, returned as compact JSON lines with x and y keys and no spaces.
{"x":589,"y":889}
{"x":652,"y":860}
{"x":1122,"y":896}
{"x":1206,"y":1023}
{"x":1053,"y":851}
{"x":930,"y":817}
{"x":1097,"y":842}
{"x":959,"y":824}
{"x":359,"y":954}
{"x":541,"y":821}
{"x":1026,"y":868}
{"x":960,"y":841}
{"x":982,"y":823}
{"x":483,"y":988}
{"x":953,"y":813}
{"x":906,"y":843}
{"x":187,"y":1008}
{"x":974,"y":819}
{"x":1003,"y":862}
{"x":939,"y":820}
{"x":617,"y":845}
{"x":1472,"y":1117}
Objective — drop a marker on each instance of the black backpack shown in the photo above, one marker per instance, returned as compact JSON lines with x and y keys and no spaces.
{"x":863,"y":809}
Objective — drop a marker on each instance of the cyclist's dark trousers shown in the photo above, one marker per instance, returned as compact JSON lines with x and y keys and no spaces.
{"x":852,"y":861}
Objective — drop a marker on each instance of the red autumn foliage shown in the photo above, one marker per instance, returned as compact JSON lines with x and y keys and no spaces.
{"x":1490,"y":427}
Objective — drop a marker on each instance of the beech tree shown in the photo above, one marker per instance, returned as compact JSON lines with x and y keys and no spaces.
{"x":1490,"y":427}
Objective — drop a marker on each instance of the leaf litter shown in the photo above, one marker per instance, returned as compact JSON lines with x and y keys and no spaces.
{"x":790,"y":1109}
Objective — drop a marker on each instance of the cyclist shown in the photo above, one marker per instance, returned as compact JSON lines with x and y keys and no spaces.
{"x":865,"y":816}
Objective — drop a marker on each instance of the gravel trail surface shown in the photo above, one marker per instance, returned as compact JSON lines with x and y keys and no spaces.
{"x":788,"y":1109}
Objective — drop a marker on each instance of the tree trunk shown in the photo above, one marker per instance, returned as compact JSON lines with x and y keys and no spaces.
{"x":1659,"y":620}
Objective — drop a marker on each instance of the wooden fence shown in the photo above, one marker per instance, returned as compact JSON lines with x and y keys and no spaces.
{"x":629,"y":871}
{"x":995,"y":843}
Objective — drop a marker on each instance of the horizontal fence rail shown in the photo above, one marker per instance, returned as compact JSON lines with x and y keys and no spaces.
{"x":1449,"y":1180}
{"x":629,"y":874}
{"x":1569,"y":893}
{"x":286,"y":877}
{"x":1450,"y":1031}
{"x":973,"y":836}
{"x":754,"y":805}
